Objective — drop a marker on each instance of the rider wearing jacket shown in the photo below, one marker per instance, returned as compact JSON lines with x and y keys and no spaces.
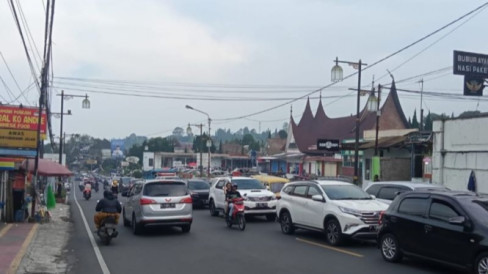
{"x":108,"y":206}
{"x":229,"y":196}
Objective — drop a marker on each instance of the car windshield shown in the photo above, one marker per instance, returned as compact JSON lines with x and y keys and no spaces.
{"x":248,"y":184}
{"x":165,"y":189}
{"x":198,"y":185}
{"x":345,"y":192}
{"x":276,"y":187}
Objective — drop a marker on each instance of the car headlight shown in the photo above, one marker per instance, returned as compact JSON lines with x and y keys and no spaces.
{"x":273,"y":197}
{"x":351,"y":211}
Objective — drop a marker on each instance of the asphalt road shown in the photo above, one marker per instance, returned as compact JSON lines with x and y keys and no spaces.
{"x":211,"y":247}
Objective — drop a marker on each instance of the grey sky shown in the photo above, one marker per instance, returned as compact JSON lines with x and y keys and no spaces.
{"x":232,"y":43}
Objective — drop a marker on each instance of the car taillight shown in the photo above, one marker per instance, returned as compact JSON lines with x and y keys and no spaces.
{"x":146,"y":201}
{"x":186,"y":200}
{"x":380,"y":219}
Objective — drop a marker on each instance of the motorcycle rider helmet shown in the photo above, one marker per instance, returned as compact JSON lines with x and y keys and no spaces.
{"x":234,"y":185}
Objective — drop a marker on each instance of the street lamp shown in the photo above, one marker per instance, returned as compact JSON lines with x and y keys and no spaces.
{"x":374,"y":106}
{"x":85,"y":104}
{"x":188,"y":131}
{"x":336,"y":75}
{"x":209,"y":121}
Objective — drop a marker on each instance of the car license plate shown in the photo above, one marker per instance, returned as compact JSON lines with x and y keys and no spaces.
{"x":205,"y":201}
{"x":168,"y":205}
{"x":262,"y":205}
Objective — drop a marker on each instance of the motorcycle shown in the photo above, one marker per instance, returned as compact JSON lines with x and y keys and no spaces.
{"x":87,"y":194}
{"x":115,"y":190}
{"x":237,"y":214}
{"x":107,"y":229}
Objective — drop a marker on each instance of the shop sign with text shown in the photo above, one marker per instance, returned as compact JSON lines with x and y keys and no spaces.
{"x":469,"y":63}
{"x":18,"y":138}
{"x":21,"y":118}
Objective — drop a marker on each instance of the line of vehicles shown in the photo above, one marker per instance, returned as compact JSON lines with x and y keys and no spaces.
{"x":406,"y":219}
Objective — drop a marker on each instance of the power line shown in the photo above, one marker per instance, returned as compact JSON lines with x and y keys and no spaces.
{"x":368,"y":67}
{"x":435,"y":42}
{"x":15,"y":81}
{"x":184,"y":97}
{"x":29,"y":60}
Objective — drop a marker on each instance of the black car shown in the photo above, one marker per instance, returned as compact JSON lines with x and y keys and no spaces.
{"x":199,"y":192}
{"x":124,"y":184}
{"x":447,"y":227}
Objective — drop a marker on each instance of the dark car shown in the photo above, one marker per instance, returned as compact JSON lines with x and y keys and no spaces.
{"x":447,"y":227}
{"x":199,"y":192}
{"x":124,"y":184}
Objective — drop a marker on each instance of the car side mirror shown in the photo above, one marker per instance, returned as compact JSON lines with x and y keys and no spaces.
{"x":318,"y":198}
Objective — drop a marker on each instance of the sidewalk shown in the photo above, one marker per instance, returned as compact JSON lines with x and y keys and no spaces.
{"x":36,"y":248}
{"x":14,"y":240}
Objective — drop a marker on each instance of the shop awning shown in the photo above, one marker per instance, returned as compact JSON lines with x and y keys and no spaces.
{"x":46,"y":168}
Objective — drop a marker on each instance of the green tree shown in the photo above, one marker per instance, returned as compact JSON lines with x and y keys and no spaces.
{"x":282,"y":134}
{"x":415,"y":122}
{"x":428,"y":122}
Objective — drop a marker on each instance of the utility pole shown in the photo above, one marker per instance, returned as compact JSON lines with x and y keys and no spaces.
{"x":421,"y":125}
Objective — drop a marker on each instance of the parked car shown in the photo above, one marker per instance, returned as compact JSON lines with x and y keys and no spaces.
{"x":158,"y":202}
{"x":386,"y":191}
{"x":341,"y":210}
{"x":199,"y":190}
{"x":447,"y":227}
{"x":257,"y":199}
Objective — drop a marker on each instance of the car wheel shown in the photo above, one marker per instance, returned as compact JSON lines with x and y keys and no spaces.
{"x":286,"y":223}
{"x":390,"y":249}
{"x":213,"y":211}
{"x":481,"y":264}
{"x":333,"y":232}
{"x":136,"y":227}
{"x":271,"y":217}
{"x":124,"y":218}
{"x":185,"y":228}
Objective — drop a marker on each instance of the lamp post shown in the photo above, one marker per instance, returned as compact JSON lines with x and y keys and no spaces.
{"x":85,"y":104}
{"x":336,"y":75}
{"x":374,"y":106}
{"x":188,"y":131}
{"x":209,"y":141}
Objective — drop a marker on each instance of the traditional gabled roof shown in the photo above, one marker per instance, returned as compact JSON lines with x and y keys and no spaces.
{"x":310,"y":128}
{"x":307,"y":113}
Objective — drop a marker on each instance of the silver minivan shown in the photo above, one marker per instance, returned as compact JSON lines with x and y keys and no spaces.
{"x":158,"y":202}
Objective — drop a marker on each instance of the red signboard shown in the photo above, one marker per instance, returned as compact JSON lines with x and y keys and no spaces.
{"x":21,"y":118}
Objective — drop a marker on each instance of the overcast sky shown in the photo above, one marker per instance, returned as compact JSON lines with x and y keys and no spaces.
{"x":141,"y":62}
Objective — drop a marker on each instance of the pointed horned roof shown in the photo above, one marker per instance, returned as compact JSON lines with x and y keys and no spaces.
{"x":311,"y":128}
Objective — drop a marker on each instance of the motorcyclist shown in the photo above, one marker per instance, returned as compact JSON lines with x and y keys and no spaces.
{"x":115,"y":187}
{"x":229,"y":197}
{"x":108,"y":206}
{"x":87,"y":188}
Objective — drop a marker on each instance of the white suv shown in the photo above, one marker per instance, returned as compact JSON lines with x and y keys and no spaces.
{"x":337,"y":208}
{"x":257,"y":199}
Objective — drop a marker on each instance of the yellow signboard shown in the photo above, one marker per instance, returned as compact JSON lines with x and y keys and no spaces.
{"x":18,"y":138}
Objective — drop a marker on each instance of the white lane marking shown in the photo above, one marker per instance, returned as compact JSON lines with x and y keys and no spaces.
{"x":100,"y":259}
